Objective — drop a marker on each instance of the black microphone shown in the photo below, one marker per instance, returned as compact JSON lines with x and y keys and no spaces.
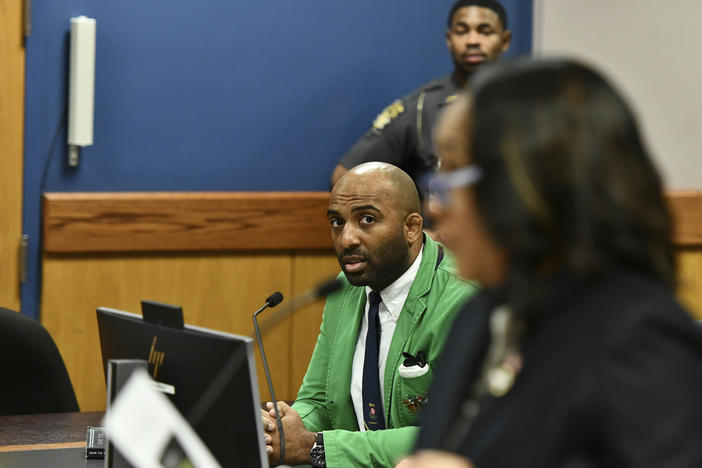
{"x":311,"y":295}
{"x":321,"y":290}
{"x":272,"y":301}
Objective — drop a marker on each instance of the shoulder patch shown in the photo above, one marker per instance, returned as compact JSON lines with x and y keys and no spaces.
{"x":450,"y":98}
{"x":388,"y":114}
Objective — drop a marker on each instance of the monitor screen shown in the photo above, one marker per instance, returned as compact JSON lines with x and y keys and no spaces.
{"x":190,"y":359}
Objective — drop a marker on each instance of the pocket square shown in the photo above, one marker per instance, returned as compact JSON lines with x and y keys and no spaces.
{"x":411,"y":372}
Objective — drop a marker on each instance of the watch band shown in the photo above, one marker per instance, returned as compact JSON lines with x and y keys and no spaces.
{"x":318,"y":458}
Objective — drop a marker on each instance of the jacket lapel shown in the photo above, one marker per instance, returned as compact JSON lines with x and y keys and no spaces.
{"x":412,"y":311}
{"x":341,"y":359}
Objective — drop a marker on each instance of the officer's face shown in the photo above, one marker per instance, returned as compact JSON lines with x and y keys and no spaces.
{"x":476,"y":37}
{"x":368,"y":231}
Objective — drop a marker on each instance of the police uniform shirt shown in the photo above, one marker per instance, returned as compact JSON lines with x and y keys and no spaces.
{"x":401,"y":133}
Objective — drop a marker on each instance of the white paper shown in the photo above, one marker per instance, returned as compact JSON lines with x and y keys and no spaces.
{"x":141,"y":421}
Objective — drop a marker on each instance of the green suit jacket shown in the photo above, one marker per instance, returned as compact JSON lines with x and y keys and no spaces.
{"x":324,"y":400}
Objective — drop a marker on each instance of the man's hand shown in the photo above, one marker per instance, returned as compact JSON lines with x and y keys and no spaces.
{"x":434,"y":459}
{"x":298,"y":440}
{"x":269,"y":428}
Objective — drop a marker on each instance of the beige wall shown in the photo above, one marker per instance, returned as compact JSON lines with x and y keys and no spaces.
{"x":651,"y":49}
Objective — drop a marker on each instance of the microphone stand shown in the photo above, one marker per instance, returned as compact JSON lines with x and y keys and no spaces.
{"x":321,"y":290}
{"x":273,"y":300}
{"x":173,"y":455}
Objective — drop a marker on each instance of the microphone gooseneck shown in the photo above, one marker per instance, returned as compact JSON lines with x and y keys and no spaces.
{"x":172,"y":453}
{"x":217,"y":386}
{"x":328,"y":287}
{"x":272,"y":301}
{"x":317,"y":292}
{"x":321,"y":290}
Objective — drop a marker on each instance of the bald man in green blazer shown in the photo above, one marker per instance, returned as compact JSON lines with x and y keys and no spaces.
{"x":378,"y":239}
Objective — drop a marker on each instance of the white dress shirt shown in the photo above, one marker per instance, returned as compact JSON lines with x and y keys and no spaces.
{"x":393,"y":297}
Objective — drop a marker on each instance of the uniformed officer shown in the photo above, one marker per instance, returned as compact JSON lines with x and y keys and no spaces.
{"x":401,"y":134}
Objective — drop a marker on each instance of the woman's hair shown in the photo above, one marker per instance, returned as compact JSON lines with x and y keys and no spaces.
{"x":567,"y":183}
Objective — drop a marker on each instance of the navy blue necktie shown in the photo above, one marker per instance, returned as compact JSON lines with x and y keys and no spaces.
{"x":372,"y":401}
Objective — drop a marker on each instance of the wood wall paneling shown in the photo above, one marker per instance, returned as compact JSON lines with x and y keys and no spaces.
{"x":308,"y":270}
{"x":270,"y":244}
{"x":216,"y":291}
{"x":157,"y":221}
{"x":690,"y":280}
{"x":133,"y":222}
{"x":12,"y":60}
{"x":686,"y":208}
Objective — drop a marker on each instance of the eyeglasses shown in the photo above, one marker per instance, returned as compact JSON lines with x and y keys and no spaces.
{"x":439,"y":186}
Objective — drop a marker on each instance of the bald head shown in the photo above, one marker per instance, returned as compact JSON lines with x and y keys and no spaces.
{"x":385,"y":178}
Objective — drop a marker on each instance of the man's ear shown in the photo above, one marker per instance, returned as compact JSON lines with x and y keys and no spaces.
{"x":506,"y":40}
{"x":447,"y":35}
{"x":413,"y":227}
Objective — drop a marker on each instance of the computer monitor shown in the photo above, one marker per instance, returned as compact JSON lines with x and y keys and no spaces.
{"x":190,"y":359}
{"x":162,"y":314}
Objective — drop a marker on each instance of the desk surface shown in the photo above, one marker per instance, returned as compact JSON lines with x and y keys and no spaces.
{"x":46,"y":440}
{"x":45,"y":431}
{"x":54,"y":458}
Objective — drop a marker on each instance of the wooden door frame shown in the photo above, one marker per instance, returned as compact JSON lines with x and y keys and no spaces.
{"x":12,"y":85}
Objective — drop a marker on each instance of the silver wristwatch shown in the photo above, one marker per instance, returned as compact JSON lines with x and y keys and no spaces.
{"x":317,"y":457}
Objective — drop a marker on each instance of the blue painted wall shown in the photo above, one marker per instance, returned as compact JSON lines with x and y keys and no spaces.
{"x":223,"y":94}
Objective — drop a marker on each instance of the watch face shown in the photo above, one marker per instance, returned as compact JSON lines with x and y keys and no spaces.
{"x":317,"y":456}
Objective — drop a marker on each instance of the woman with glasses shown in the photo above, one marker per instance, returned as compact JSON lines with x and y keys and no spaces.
{"x":576,"y":353}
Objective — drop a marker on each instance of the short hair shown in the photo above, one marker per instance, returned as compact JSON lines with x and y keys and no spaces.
{"x":566,"y":176}
{"x":493,"y":5}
